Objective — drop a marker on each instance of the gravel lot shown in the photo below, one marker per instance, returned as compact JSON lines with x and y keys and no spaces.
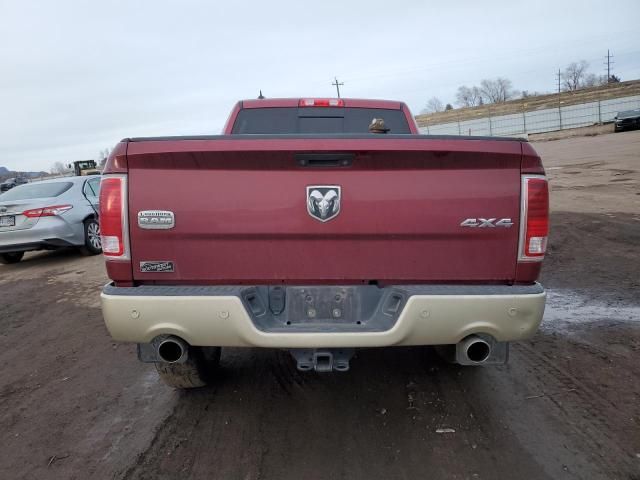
{"x":73,"y":404}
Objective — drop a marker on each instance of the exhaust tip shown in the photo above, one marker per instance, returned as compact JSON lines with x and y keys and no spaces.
{"x":478,"y":351}
{"x":172,"y":350}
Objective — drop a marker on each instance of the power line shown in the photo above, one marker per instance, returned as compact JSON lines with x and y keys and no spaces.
{"x":337,"y":85}
{"x":477,"y":59}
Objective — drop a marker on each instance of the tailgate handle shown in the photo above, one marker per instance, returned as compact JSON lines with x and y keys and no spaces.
{"x":323,"y":160}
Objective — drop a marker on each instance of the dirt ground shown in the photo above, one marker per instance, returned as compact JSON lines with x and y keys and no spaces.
{"x":75,"y":405}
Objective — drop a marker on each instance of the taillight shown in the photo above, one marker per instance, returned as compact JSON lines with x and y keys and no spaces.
{"x":113,"y":217}
{"x":51,"y":211}
{"x":321,"y":102}
{"x":534,"y":218}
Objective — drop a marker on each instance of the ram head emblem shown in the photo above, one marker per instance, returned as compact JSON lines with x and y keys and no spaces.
{"x":323,"y":202}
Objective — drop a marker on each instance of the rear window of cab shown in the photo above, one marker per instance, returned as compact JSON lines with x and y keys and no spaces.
{"x":303,"y":120}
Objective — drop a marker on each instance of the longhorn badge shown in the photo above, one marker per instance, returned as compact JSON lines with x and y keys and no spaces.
{"x":323,"y":201}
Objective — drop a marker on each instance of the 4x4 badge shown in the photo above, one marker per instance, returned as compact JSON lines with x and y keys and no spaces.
{"x":487,"y":222}
{"x":323,"y":201}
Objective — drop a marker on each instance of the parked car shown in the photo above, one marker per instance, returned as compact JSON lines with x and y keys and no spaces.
{"x":321,"y":226}
{"x":48,"y":215}
{"x":10,"y":183}
{"x":627,"y":120}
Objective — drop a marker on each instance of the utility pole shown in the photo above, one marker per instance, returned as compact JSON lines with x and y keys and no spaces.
{"x":608,"y":64}
{"x":559,"y":107}
{"x":337,"y":85}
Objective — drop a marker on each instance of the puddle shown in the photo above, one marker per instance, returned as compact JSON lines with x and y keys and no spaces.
{"x":570,"y":307}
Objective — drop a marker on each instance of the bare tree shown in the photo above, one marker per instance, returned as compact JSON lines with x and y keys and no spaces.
{"x":574,"y":75}
{"x":102,"y":157}
{"x":496,"y":91}
{"x":58,"y":168}
{"x":593,"y":80}
{"x":468,"y":97}
{"x":433,"y":105}
{"x":528,"y":93}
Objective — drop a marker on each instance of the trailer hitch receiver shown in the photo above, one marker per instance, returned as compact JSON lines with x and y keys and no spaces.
{"x":322,"y":359}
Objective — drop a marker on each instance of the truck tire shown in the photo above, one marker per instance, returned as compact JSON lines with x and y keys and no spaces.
{"x":13,"y":257}
{"x":92,"y":242}
{"x":198,"y":371}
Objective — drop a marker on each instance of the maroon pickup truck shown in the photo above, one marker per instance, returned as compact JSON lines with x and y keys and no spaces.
{"x":300,"y":229}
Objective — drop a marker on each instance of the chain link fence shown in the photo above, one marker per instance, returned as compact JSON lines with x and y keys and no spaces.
{"x":538,"y":121}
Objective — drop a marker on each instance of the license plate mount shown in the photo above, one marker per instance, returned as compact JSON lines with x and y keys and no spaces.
{"x":322,"y":304}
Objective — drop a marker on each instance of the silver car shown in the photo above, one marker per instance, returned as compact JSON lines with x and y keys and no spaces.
{"x":48,"y":215}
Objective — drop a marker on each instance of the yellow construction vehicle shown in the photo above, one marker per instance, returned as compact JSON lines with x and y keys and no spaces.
{"x":85,"y":167}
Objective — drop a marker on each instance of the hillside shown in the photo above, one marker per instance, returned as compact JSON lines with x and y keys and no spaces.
{"x":539,"y":102}
{"x":6,"y":173}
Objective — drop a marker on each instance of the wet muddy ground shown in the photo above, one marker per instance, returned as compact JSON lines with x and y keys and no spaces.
{"x":74,"y":404}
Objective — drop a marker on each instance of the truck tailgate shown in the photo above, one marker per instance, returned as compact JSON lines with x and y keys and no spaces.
{"x":241,"y":216}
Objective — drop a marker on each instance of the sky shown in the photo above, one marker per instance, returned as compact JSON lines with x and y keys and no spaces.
{"x":77,"y":76}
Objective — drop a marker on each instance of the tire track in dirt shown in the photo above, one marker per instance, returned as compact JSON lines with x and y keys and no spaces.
{"x":582,"y":410}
